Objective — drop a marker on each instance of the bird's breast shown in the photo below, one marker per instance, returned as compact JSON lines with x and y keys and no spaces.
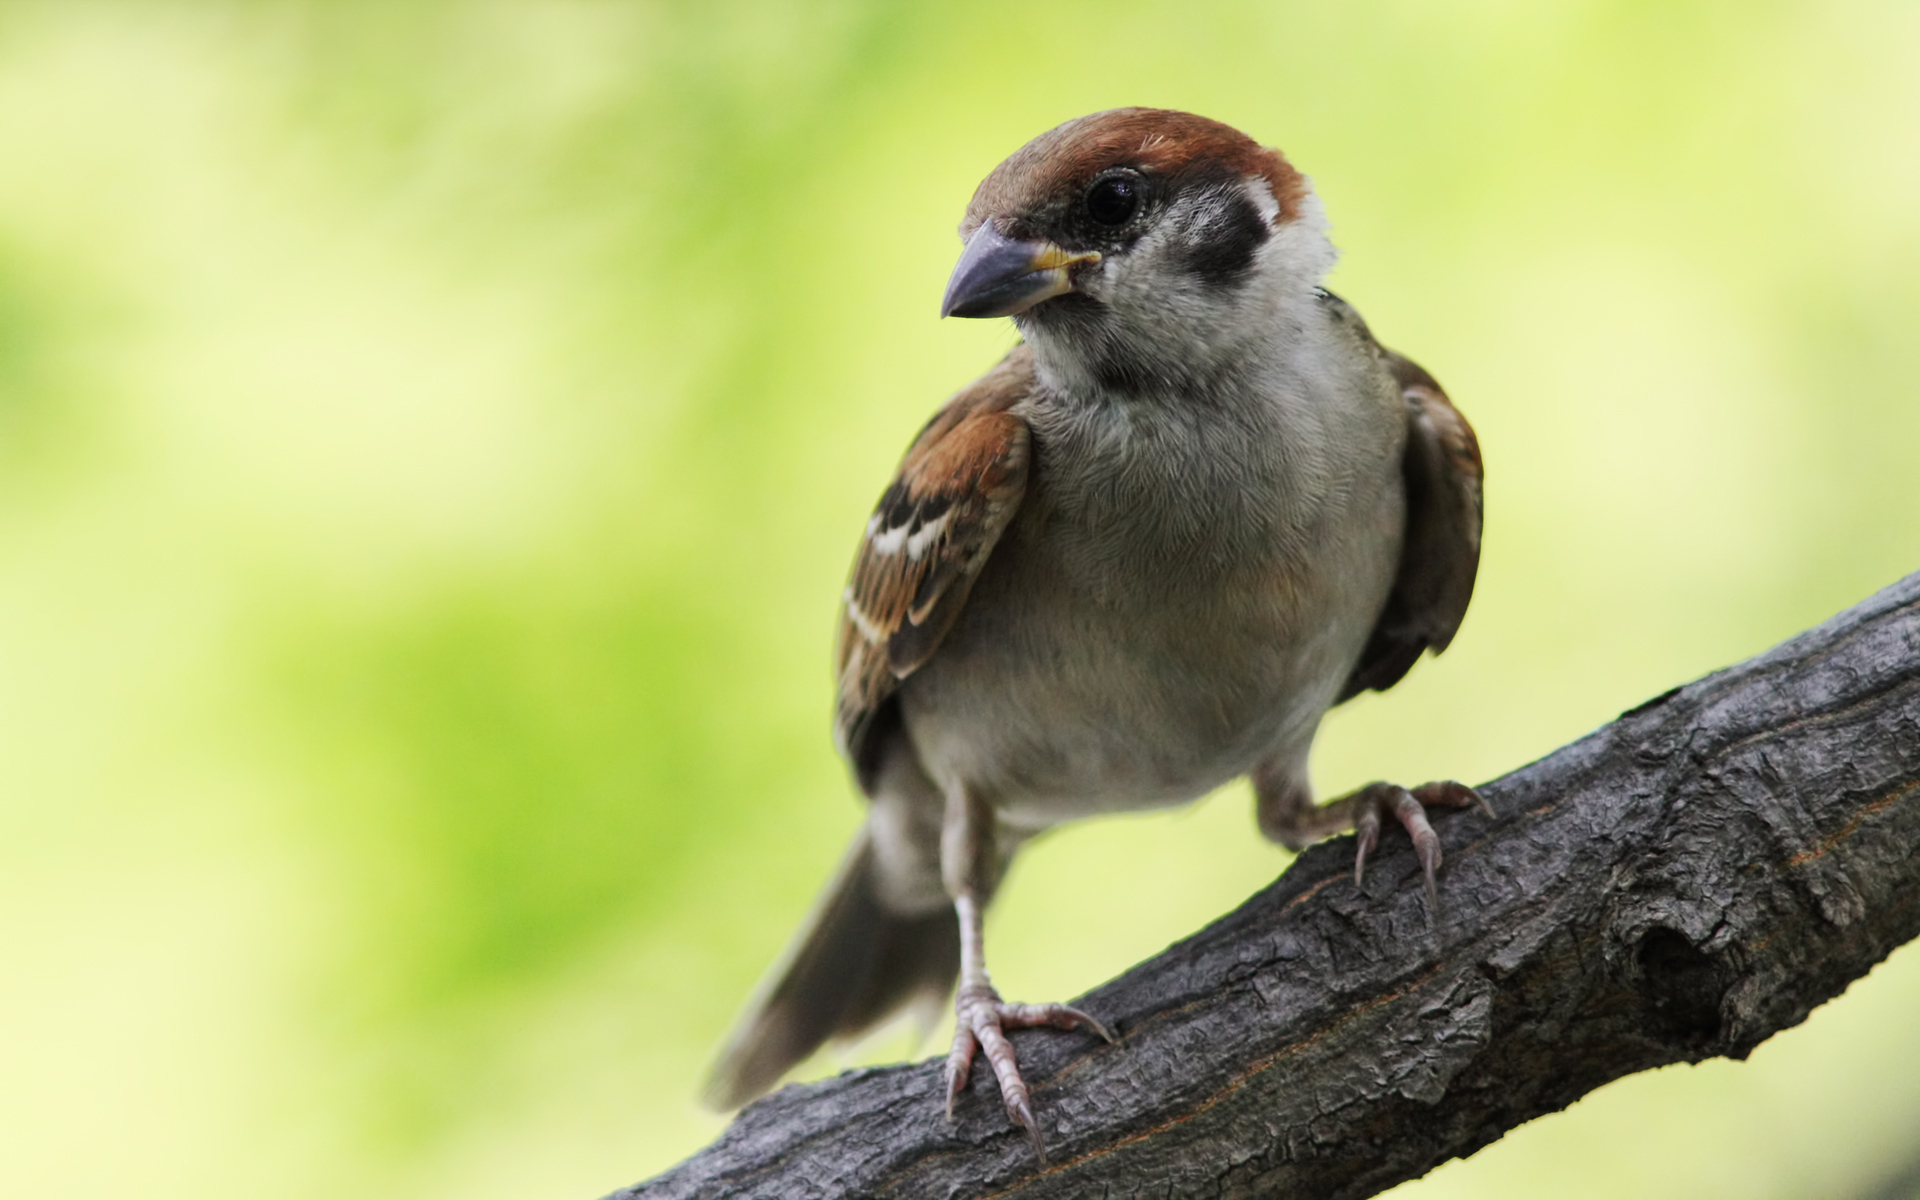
{"x":1178,"y":599}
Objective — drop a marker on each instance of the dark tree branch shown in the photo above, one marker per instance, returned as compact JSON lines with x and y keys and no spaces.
{"x":1678,"y":885}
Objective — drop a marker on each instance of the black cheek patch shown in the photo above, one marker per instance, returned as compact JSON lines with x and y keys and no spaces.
{"x":1225,"y":251}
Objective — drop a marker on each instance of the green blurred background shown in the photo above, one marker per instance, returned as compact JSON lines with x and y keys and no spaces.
{"x":432,"y":437}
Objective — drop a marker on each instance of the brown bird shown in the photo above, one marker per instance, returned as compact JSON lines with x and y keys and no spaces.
{"x":1140,"y":557}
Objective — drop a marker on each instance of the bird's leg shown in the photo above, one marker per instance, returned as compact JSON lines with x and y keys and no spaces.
{"x":981,"y":1017}
{"x":1289,"y":816}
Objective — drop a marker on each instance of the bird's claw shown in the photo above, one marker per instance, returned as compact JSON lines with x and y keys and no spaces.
{"x":1409,"y":808}
{"x":981,"y":1020}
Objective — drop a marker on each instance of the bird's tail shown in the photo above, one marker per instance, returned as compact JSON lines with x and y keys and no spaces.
{"x":853,"y":964}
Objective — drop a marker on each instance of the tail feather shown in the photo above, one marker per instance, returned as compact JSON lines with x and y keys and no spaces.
{"x":853,"y":964}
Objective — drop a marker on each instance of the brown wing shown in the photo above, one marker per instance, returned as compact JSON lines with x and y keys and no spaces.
{"x":1441,"y":553}
{"x":959,"y":485}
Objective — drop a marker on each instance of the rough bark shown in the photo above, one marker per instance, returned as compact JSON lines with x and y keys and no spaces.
{"x":1680,"y":884}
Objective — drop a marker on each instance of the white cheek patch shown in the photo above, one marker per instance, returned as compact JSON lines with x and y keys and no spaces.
{"x":1261,"y":193}
{"x":1302,"y":242}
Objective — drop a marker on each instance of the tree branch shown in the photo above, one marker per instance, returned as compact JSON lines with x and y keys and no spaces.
{"x":1678,"y":885}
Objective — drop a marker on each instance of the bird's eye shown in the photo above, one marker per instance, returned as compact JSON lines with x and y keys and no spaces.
{"x":1113,"y":201}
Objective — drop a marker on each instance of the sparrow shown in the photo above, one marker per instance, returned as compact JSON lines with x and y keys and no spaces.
{"x":1195,"y":508}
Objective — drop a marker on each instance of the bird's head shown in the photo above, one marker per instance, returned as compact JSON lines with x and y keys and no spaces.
{"x":1140,"y":249}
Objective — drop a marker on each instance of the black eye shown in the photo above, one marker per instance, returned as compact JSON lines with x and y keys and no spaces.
{"x":1113,"y":200}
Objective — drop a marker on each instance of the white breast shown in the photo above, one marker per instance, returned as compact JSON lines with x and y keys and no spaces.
{"x":1182,"y":595}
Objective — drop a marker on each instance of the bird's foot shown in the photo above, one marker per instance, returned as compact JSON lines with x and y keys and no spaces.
{"x":981,"y":1019}
{"x":1378,"y":801}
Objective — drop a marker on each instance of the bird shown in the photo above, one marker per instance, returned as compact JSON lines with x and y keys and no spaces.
{"x":1197,"y":506}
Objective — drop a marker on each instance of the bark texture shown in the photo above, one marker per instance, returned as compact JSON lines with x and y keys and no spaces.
{"x":1680,"y":884}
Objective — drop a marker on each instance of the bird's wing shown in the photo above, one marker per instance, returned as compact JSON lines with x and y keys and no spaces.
{"x":1441,"y":552}
{"x":956,"y":490}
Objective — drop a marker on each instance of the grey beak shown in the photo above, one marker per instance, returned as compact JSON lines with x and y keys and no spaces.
{"x":998,"y":277}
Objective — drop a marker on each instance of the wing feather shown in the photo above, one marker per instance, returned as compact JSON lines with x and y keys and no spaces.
{"x":1440,"y":554}
{"x":959,"y":485}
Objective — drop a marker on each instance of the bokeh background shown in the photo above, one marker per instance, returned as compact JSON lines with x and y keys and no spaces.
{"x":432,"y":437}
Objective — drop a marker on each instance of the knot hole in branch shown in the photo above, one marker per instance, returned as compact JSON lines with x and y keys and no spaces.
{"x":1682,"y":988}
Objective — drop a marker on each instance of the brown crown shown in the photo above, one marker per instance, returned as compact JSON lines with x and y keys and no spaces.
{"x":1158,"y":141}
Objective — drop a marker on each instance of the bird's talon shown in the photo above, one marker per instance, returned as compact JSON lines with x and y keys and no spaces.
{"x":1409,"y":809}
{"x":1021,"y":1113}
{"x":981,"y":1022}
{"x":1450,"y":793}
{"x":1087,"y":1021}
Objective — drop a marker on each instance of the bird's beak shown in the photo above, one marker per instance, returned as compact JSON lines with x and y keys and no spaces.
{"x":997,"y":276}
